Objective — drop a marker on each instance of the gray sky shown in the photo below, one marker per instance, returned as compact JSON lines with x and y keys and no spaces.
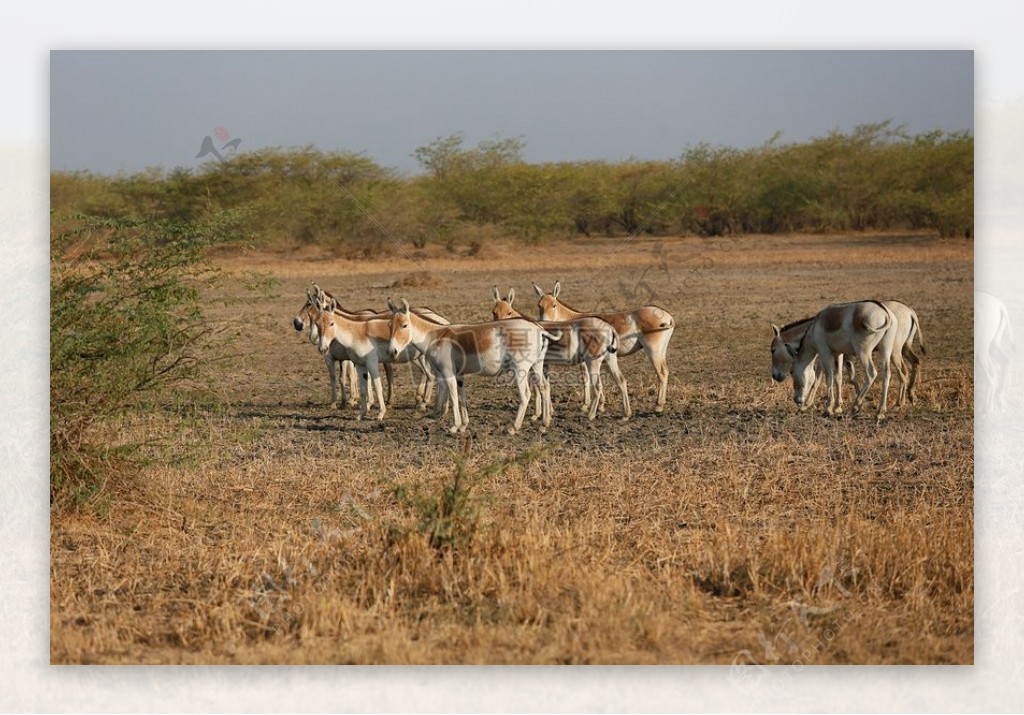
{"x":124,"y":111}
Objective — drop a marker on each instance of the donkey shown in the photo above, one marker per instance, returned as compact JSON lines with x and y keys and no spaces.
{"x":587,"y":341}
{"x":649,"y":328}
{"x":515,"y":345}
{"x":993,"y":349}
{"x":856,"y":329}
{"x":907,"y":331}
{"x":365,"y":343}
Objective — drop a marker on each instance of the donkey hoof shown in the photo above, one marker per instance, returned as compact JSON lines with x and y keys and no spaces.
{"x":511,"y":430}
{"x":453,"y":430}
{"x":659,"y":409}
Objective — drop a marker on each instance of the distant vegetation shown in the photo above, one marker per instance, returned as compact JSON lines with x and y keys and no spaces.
{"x":874,"y":178}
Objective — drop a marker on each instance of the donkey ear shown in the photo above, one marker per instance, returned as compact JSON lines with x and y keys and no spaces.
{"x":391,"y":306}
{"x":776,"y":330}
{"x":495,"y":294}
{"x":538,"y":290}
{"x":405,"y":306}
{"x":511,"y":295}
{"x":558,"y":288}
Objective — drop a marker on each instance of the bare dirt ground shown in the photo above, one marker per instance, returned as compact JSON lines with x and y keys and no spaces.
{"x":271,"y":528}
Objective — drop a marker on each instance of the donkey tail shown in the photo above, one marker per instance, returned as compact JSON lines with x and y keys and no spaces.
{"x":613,"y":346}
{"x":553,"y":336}
{"x":920,"y":335}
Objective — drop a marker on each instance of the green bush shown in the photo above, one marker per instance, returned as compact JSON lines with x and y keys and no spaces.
{"x":125,"y":321}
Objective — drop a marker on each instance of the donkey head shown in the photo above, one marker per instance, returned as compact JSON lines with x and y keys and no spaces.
{"x":503,"y":309}
{"x":782,"y":357}
{"x":548,"y":305}
{"x":401,"y":329}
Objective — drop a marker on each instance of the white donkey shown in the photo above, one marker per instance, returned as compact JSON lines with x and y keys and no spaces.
{"x":856,"y":329}
{"x":588,"y":341}
{"x":993,"y":348}
{"x":649,"y":328}
{"x":517,"y":346}
{"x":365,"y":343}
{"x":908,"y":331}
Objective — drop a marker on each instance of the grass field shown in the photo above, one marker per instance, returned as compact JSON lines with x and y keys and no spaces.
{"x":270,"y":528}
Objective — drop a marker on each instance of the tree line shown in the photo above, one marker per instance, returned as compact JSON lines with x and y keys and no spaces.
{"x":875,"y":177}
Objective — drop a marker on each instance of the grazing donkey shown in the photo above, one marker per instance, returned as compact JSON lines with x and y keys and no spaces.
{"x":649,"y":328}
{"x":856,"y":329}
{"x":516,"y":345}
{"x":993,"y":349}
{"x":365,"y":343}
{"x":586,"y":341}
{"x":907,"y":331}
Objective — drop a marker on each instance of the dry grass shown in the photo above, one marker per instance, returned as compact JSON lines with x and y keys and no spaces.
{"x":728,"y":529}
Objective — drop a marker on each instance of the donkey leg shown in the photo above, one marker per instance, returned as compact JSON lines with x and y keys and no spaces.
{"x":543,"y":384}
{"x":452,"y":388}
{"x":364,"y":376}
{"x":827,"y":365}
{"x":389,"y":370}
{"x":463,"y":403}
{"x":915,"y":371}
{"x":374,"y":371}
{"x":883,"y":403}
{"x":819,"y":378}
{"x":523,"y":385}
{"x":594,"y":375}
{"x":612,"y":361}
{"x":902,"y":373}
{"x":839,"y":384}
{"x":353,"y":380}
{"x":332,"y":374}
{"x":870,"y":373}
{"x":586,"y":387}
{"x":538,"y":398}
{"x":440,"y":400}
{"x":656,"y":348}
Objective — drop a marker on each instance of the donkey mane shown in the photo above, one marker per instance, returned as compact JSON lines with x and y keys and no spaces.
{"x":566,"y":305}
{"x":427,"y":317}
{"x":800,"y":345}
{"x":795,"y":323}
